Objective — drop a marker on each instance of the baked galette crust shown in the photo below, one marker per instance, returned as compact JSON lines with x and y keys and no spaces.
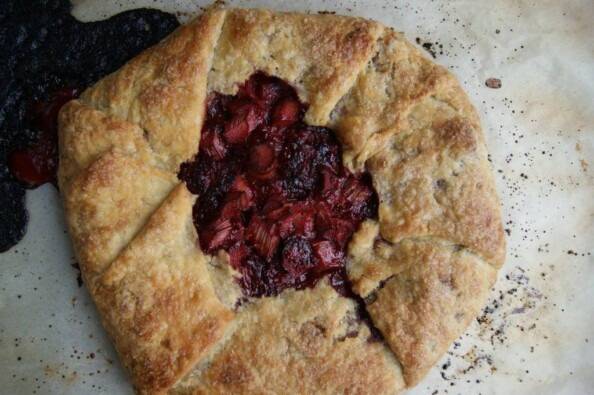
{"x":176,"y":315}
{"x":301,"y":342}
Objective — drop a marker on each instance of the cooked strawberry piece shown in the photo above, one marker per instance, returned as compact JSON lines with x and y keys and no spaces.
{"x":240,"y":184}
{"x":213,"y":145}
{"x":299,"y":221}
{"x":216,"y":108}
{"x":261,"y":158}
{"x":240,"y":195}
{"x":266,"y":176}
{"x":269,"y":92}
{"x":245,"y":117}
{"x":246,"y":109}
{"x":339,"y":230}
{"x":323,"y":217}
{"x":331,"y":186}
{"x":263,"y":237}
{"x":329,"y":225}
{"x":264,"y":89}
{"x":275,"y":210}
{"x":355,"y":193}
{"x":250,"y":88}
{"x":303,"y":224}
{"x":236,"y":130}
{"x":328,"y":255}
{"x":231,"y":208}
{"x":239,"y":106}
{"x":286,"y":112}
{"x":273,"y":191}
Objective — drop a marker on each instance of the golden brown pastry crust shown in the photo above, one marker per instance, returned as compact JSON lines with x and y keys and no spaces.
{"x":395,"y":79}
{"x":433,"y":179}
{"x":421,"y":293}
{"x":87,"y":134}
{"x":163,"y":89}
{"x":424,"y":307}
{"x":320,"y":55}
{"x":108,"y":204}
{"x":301,"y":342}
{"x":424,"y":268}
{"x":157,"y":301}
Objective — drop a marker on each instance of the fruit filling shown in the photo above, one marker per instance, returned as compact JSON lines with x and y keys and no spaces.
{"x":37,"y":163}
{"x":272,"y":190}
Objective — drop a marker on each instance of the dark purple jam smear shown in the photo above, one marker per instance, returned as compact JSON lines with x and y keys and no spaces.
{"x":37,"y":163}
{"x":46,"y":58}
{"x":272,"y":190}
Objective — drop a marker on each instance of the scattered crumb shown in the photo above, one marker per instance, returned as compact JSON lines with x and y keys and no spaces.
{"x":493,"y":83}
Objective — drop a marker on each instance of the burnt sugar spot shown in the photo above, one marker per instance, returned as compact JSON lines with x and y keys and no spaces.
{"x":433,"y":48}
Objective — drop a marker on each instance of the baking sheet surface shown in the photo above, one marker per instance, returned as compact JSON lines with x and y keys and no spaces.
{"x":536,"y":335}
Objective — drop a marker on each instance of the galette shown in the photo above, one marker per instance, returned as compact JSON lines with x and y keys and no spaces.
{"x":271,"y":202}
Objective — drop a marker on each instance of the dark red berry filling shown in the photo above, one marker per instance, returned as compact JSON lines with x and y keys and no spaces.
{"x":37,"y":163}
{"x":272,"y":190}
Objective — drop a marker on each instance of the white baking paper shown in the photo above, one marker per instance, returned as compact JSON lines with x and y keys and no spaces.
{"x":537,"y":334}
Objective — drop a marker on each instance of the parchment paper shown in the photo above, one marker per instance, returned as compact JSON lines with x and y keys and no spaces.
{"x":536,"y":334}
